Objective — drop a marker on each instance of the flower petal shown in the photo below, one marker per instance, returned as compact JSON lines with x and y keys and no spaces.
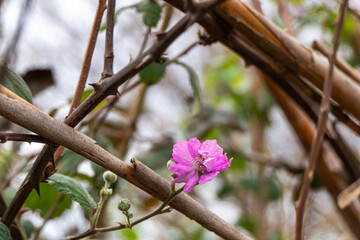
{"x":217,"y":164}
{"x":193,"y":180}
{"x":210,"y":148}
{"x":193,"y":147}
{"x":181,"y":153}
{"x":180,"y":169}
{"x":184,"y":178}
{"x":208,"y":176}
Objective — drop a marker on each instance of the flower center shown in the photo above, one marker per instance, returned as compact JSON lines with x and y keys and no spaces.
{"x":199,"y":162}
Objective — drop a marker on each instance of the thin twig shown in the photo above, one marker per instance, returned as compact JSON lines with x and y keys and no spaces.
{"x":84,"y":73}
{"x":185,"y":51}
{"x":278,"y":163}
{"x":145,"y":40}
{"x":39,"y":172}
{"x":48,"y":216}
{"x":339,"y":62}
{"x":158,"y":211}
{"x":9,"y":55}
{"x":320,"y":128}
{"x":85,"y":68}
{"x":109,"y":40}
{"x":22,"y":137}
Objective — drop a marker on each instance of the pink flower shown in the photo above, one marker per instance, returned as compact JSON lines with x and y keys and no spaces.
{"x":197,"y":163}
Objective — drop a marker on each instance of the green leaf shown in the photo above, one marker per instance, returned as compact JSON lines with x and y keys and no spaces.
{"x":76,"y":192}
{"x":274,"y":190}
{"x":28,"y":227}
{"x":15,"y":83}
{"x":44,"y":202}
{"x":87,"y":93}
{"x":151,"y":12}
{"x":153,"y":73}
{"x":4,"y":232}
{"x":194,"y":80}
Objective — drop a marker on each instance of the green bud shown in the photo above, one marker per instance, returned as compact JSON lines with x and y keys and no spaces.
{"x":109,"y":177}
{"x":129,"y":214}
{"x":124,"y":204}
{"x":104,"y":192}
{"x":170,"y":162}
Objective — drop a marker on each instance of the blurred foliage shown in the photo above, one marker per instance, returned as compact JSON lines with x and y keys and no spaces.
{"x":28,"y":227}
{"x":153,"y":73}
{"x":15,"y":83}
{"x":224,"y":109}
{"x":44,"y":202}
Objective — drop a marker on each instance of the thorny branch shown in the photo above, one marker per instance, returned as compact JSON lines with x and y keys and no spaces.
{"x":22,"y":137}
{"x":85,"y":68}
{"x":107,"y":87}
{"x":109,"y":40}
{"x":320,"y":128}
{"x":160,"y":210}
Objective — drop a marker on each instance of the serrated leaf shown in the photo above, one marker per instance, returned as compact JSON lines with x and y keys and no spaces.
{"x":43,"y":203}
{"x":194,"y":80}
{"x":15,"y":83}
{"x":4,"y":232}
{"x":153,"y":73}
{"x":76,"y":192}
{"x":152,"y":13}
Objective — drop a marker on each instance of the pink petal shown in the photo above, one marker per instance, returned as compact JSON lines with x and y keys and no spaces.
{"x":184,"y":178}
{"x":180,"y":169}
{"x":207,"y":177}
{"x":226,"y":163}
{"x":211,"y":149}
{"x":181,"y":153}
{"x":193,"y":147}
{"x":193,"y":180}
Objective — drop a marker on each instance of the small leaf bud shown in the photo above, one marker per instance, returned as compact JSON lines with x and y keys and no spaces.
{"x":124,"y":204}
{"x":106,"y":192}
{"x":109,"y":177}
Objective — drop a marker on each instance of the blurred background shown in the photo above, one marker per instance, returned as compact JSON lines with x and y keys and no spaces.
{"x":213,"y":94}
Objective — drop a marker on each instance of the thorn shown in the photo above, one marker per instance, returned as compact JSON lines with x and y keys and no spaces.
{"x":96,"y":85}
{"x":160,"y":36}
{"x":147,"y":57}
{"x":205,"y":38}
{"x":37,"y":188}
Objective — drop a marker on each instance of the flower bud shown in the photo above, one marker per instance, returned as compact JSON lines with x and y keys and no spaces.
{"x":129,"y":214}
{"x":109,"y":177}
{"x":170,"y":162}
{"x":124,"y":204}
{"x":106,"y":192}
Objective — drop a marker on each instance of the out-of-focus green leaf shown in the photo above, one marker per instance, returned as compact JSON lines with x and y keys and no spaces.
{"x":15,"y":83}
{"x":237,"y":164}
{"x":87,"y":93}
{"x":153,"y":73}
{"x":70,"y":161}
{"x":151,"y":12}
{"x":276,"y":236}
{"x":225,"y":190}
{"x":194,"y":80}
{"x":4,"y":232}
{"x":297,"y":2}
{"x":274,"y":189}
{"x":248,"y":223}
{"x":251,"y":183}
{"x":71,"y":187}
{"x":129,"y":234}
{"x":48,"y":196}
{"x":28,"y":227}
